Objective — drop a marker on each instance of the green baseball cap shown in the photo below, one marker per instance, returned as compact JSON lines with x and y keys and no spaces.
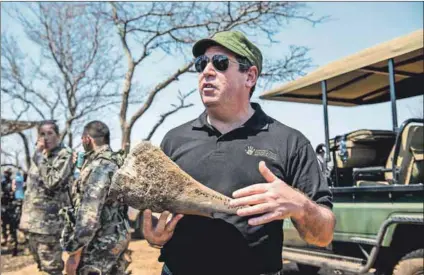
{"x":234,"y":41}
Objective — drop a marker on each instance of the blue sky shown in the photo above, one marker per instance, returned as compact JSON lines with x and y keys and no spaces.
{"x":354,"y":26}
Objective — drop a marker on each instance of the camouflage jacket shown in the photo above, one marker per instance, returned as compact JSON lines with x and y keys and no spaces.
{"x":47,"y":191}
{"x":100,"y":221}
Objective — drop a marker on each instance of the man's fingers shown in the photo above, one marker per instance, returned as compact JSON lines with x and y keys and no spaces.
{"x":249,"y":200}
{"x":266,"y":173}
{"x":251,"y":190}
{"x":70,"y":266}
{"x":266,"y":218}
{"x":173,"y":223}
{"x":256,"y":209}
{"x":160,"y":227}
{"x":147,"y":222}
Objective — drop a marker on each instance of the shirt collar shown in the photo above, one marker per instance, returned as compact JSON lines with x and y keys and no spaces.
{"x":56,"y":150}
{"x":94,"y":154}
{"x":258,"y":121}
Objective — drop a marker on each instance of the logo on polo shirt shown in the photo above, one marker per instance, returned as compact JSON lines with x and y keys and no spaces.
{"x":252,"y":151}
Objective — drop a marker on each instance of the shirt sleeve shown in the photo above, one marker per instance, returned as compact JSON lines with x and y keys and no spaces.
{"x":54,"y":172}
{"x":88,"y":214}
{"x":165,"y":145}
{"x":306,"y":176}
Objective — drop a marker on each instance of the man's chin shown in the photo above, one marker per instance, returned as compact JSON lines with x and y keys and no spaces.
{"x":210,"y":103}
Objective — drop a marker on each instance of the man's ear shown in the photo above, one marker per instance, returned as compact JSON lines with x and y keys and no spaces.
{"x":86,"y":138}
{"x":90,"y":139}
{"x":252,"y":76}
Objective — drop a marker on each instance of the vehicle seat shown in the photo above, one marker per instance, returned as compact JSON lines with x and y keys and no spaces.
{"x":410,"y":161}
{"x":362,"y":148}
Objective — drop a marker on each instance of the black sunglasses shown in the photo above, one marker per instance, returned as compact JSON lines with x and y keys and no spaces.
{"x":219,"y":61}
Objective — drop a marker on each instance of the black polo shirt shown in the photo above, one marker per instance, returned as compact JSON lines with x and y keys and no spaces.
{"x":225,"y":163}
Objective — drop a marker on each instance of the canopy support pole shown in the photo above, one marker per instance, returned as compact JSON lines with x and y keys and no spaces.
{"x":327,"y":135}
{"x":393,"y":94}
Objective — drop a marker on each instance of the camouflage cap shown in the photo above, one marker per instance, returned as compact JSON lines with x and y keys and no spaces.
{"x":234,"y":41}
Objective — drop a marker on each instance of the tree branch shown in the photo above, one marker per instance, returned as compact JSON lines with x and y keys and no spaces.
{"x":156,"y":90}
{"x":11,"y":164}
{"x":171,"y":112}
{"x":26,"y":148}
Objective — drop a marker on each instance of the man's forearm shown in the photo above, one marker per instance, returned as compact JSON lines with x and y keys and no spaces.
{"x":316,"y":225}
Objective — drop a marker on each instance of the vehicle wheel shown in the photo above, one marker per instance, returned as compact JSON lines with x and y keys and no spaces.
{"x":308,"y":269}
{"x":411,"y":264}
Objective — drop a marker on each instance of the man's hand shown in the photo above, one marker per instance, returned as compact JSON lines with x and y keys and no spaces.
{"x":275,"y":200}
{"x":13,"y":185}
{"x":163,"y":231}
{"x":74,"y":157}
{"x":73,"y":261}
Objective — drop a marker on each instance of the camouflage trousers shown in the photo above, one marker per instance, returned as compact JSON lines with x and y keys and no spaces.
{"x":47,"y":253}
{"x":105,"y":259}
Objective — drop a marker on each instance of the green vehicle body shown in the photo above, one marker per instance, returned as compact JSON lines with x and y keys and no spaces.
{"x":362,"y":216}
{"x":379,"y":225}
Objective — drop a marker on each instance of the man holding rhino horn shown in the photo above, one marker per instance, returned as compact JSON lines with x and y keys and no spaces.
{"x":233,"y":147}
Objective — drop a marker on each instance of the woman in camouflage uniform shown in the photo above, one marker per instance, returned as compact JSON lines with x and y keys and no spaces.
{"x":47,"y":192}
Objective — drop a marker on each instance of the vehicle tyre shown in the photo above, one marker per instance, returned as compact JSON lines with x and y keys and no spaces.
{"x":411,"y":264}
{"x":308,"y":269}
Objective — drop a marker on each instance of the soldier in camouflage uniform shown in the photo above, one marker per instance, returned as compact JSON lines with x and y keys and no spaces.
{"x":100,"y":234}
{"x":47,"y":192}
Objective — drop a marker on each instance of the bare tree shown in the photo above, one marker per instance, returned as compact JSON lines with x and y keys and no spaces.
{"x":182,"y":105}
{"x":173,"y":27}
{"x":9,"y":127}
{"x":11,"y":158}
{"x":77,"y":68}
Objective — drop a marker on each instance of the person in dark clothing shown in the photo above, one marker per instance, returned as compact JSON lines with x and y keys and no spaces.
{"x":9,"y":211}
{"x":233,"y":147}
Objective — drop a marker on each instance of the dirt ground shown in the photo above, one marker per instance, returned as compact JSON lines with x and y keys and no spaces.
{"x":144,"y":262}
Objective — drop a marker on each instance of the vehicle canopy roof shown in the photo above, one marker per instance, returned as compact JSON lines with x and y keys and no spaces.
{"x":362,"y":78}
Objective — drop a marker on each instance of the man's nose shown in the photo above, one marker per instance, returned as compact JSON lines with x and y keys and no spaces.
{"x":209,"y":70}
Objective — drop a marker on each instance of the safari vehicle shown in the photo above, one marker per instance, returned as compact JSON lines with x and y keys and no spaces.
{"x":377,"y":175}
